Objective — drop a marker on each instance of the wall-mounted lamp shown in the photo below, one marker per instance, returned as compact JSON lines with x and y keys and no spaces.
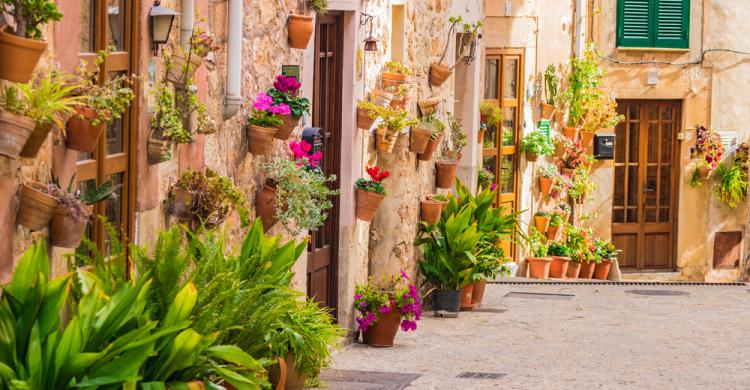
{"x":371,"y":44}
{"x":162,"y":19}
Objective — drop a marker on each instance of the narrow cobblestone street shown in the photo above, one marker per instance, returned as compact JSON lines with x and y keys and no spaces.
{"x":603,"y":337}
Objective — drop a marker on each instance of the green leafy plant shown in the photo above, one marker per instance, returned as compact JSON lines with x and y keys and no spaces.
{"x":433,"y":122}
{"x":552,"y":84}
{"x":486,"y":179}
{"x":555,"y":219}
{"x":549,"y":171}
{"x":286,"y":91}
{"x":581,"y":185}
{"x":542,"y":213}
{"x":558,"y":249}
{"x":580,"y":242}
{"x":599,"y":111}
{"x":74,"y":199}
{"x":393,"y":121}
{"x":110,"y":100}
{"x":31,"y":15}
{"x":537,"y":143}
{"x":490,"y":114}
{"x":731,"y":183}
{"x":319,"y":6}
{"x":455,"y":141}
{"x":604,"y":250}
{"x":264,"y":119}
{"x":48,"y":99}
{"x":208,"y":196}
{"x":584,"y":78}
{"x":375,"y":183}
{"x":167,"y":120}
{"x":536,"y":242}
{"x":397,"y":67}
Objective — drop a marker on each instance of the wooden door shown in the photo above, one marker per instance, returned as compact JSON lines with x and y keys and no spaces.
{"x":322,"y":256}
{"x":644,"y":205}
{"x":503,"y":85}
{"x":111,"y":24}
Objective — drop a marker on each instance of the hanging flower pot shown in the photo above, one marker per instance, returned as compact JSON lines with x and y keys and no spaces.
{"x":445,"y":173}
{"x":430,"y":149}
{"x":429,"y":210}
{"x":559,"y":267}
{"x":571,"y":133}
{"x":391,"y":79}
{"x":547,"y":110}
{"x":364,"y":121}
{"x":14,"y":132}
{"x":158,"y":150}
{"x":399,"y":103}
{"x":704,"y":172}
{"x":439,"y":72}
{"x":259,"y":139}
{"x":367,"y":204}
{"x":478,"y":294}
{"x":480,"y":135}
{"x":428,"y":106}
{"x":531,"y":156}
{"x":552,"y":232}
{"x":545,"y":185}
{"x":541,"y":222}
{"x":380,"y":97}
{"x":587,"y":140}
{"x":80,"y":133}
{"x":20,"y":56}
{"x":559,"y":149}
{"x":66,"y":230}
{"x":300,"y":29}
{"x":35,"y":141}
{"x":574,"y":269}
{"x":466,"y":297}
{"x":36,"y":206}
{"x":559,"y":115}
{"x":180,"y":71}
{"x":539,"y":267}
{"x":286,"y":129}
{"x":265,"y":205}
{"x":383,"y":332}
{"x":385,"y":141}
{"x":601,"y":270}
{"x":180,"y":204}
{"x":587,"y":270}
{"x":420,"y":137}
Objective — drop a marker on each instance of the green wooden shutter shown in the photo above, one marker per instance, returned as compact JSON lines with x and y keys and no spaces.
{"x":634,"y":21}
{"x":673,"y":24}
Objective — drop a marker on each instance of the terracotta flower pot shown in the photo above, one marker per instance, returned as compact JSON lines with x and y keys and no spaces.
{"x":67,"y":231}
{"x":559,"y":117}
{"x":545,"y":185}
{"x":35,"y":141}
{"x":541,"y":223}
{"x":158,"y":151}
{"x":531,"y":156}
{"x":601,"y":270}
{"x":420,"y":137}
{"x":286,"y":129}
{"x":286,"y":376}
{"x":587,"y":140}
{"x":394,"y":79}
{"x":364,"y":121}
{"x":446,"y":303}
{"x":539,"y":267}
{"x":704,"y":172}
{"x":445,"y":173}
{"x":260,"y":139}
{"x":36,"y":207}
{"x":466,"y":297}
{"x":399,"y":103}
{"x":14,"y":132}
{"x":552,"y":232}
{"x":559,"y":267}
{"x":380,"y":97}
{"x":480,"y":135}
{"x":478,"y":294}
{"x":428,"y":106}
{"x":367,"y":204}
{"x":439,"y":72}
{"x":571,"y":133}
{"x":547,"y":110}
{"x":559,"y":149}
{"x":80,"y":133}
{"x":383,"y":332}
{"x":265,"y":205}
{"x":385,"y":143}
{"x":300,"y":29}
{"x":587,"y":270}
{"x":574,"y":269}
{"x":430,"y":210}
{"x":430,"y":149}
{"x":20,"y":55}
{"x":179,"y":73}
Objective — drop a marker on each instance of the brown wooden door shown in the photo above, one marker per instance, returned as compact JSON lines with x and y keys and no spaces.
{"x":322,"y":256}
{"x":503,"y":86}
{"x":644,"y":205}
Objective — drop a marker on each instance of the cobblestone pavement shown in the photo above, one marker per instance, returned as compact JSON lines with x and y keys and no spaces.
{"x":601,"y":338}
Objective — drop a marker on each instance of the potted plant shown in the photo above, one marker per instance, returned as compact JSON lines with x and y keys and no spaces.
{"x":102,"y":104}
{"x":381,"y":97}
{"x":440,"y":71}
{"x":574,"y":157}
{"x":708,"y":150}
{"x":547,"y":176}
{"x":421,"y":133}
{"x":607,"y":252}
{"x":181,"y":64}
{"x":579,"y":241}
{"x":486,"y":179}
{"x":166,"y":127}
{"x":23,"y":47}
{"x":541,"y":220}
{"x":561,"y":143}
{"x":599,"y":111}
{"x":536,"y":144}
{"x":36,"y":205}
{"x":392,"y":122}
{"x":539,"y":263}
{"x":581,"y":185}
{"x":447,"y":164}
{"x":285,"y":92}
{"x":383,"y":305}
{"x":302,"y":196}
{"x":584,"y":78}
{"x":428,"y":106}
{"x":731,"y":179}
{"x":395,"y":74}
{"x":437,"y":131}
{"x":490,"y":116}
{"x":366,"y":114}
{"x":560,"y":260}
{"x":448,"y":261}
{"x":300,"y":27}
{"x":555,"y":221}
{"x":430,"y":208}
{"x":401,"y":95}
{"x":370,"y":193}
{"x":74,"y":211}
{"x":263,"y":123}
{"x":552,"y":84}
{"x":203,"y":199}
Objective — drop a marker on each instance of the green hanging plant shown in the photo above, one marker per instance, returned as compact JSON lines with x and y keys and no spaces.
{"x":731,"y":183}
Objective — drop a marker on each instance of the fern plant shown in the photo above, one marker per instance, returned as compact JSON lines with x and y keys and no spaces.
{"x":731,"y":183}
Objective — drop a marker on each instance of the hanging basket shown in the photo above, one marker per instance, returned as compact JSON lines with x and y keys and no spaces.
{"x":19,"y":55}
{"x":36,"y":206}
{"x":428,"y":106}
{"x":35,"y":141}
{"x":367,"y":204}
{"x":429,"y":210}
{"x":14,"y":132}
{"x":80,"y":133}
{"x":265,"y":205}
{"x":420,"y":137}
{"x":364,"y":121}
{"x":300,"y":29}
{"x":430,"y":149}
{"x":439,"y":72}
{"x":180,"y":70}
{"x":547,"y":110}
{"x":380,"y":97}
{"x":445,"y":173}
{"x":159,"y":151}
{"x":259,"y":139}
{"x":286,"y":129}
{"x":385,"y":142}
{"x":67,"y":231}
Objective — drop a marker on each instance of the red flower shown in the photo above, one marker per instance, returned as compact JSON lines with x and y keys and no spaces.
{"x":376,"y":174}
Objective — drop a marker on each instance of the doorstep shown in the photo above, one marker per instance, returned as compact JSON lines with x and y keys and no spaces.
{"x":652,"y":276}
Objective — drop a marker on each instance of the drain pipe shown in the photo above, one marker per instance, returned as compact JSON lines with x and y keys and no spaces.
{"x":187,"y":19}
{"x":579,"y":40}
{"x":232,"y":97}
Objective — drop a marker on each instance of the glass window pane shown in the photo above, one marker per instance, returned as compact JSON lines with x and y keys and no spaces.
{"x":509,"y":126}
{"x":664,"y":214}
{"x":619,"y":194}
{"x":620,"y":141}
{"x":507,"y":184}
{"x":664,"y":187}
{"x":649,"y":191}
{"x":87,"y":12}
{"x":510,"y":78}
{"x":633,"y":142}
{"x":618,"y":216}
{"x":490,"y":164}
{"x":113,"y":207}
{"x":490,"y":78}
{"x":490,"y":137}
{"x":116,"y":21}
{"x":114,"y":131}
{"x":653,"y":142}
{"x":666,"y":142}
{"x":650,"y":214}
{"x":632,"y":186}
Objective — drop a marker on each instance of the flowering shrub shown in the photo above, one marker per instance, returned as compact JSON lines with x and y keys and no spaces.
{"x":286,"y":91}
{"x":707,"y":147}
{"x":266,"y":113}
{"x":574,"y":156}
{"x":376,"y":298}
{"x":301,"y":152}
{"x":580,"y":242}
{"x":581,"y":185}
{"x":375,"y":183}
{"x":487,"y":179}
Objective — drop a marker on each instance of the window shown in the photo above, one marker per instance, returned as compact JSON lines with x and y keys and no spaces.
{"x":653,"y":23}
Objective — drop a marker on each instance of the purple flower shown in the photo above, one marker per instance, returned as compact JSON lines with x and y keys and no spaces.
{"x":385,"y":308}
{"x":404,"y":275}
{"x":493,"y":186}
{"x":287,"y":84}
{"x":280,"y":109}
{"x":357,"y":297}
{"x":407,"y":325}
{"x":363,"y":304}
{"x":263,"y":102}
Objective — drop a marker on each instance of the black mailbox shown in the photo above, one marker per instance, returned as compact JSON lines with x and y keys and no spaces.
{"x":604,"y":146}
{"x":314,"y":136}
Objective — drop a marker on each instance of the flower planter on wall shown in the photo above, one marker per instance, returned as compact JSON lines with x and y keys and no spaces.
{"x":429,"y":210}
{"x":587,"y":140}
{"x":439,"y":72}
{"x":552,"y":232}
{"x":420,"y":137}
{"x":367,"y":204}
{"x":559,"y":267}
{"x":399,"y":103}
{"x":380,"y":97}
{"x":19,"y":56}
{"x":35,"y":141}
{"x":559,"y":115}
{"x":531,"y":156}
{"x":265,"y":205}
{"x":179,"y":205}
{"x":445,"y":173}
{"x":300,"y":29}
{"x":383,"y":332}
{"x":545,"y":185}
{"x":428,"y":106}
{"x":571,"y":133}
{"x":177,"y":73}
{"x":36,"y":207}
{"x":364,"y":121}
{"x":14,"y":132}
{"x":65,"y":230}
{"x":286,"y":129}
{"x":547,"y":110}
{"x":539,"y":267}
{"x":394,"y":79}
{"x":80,"y":133}
{"x":158,"y":151}
{"x":541,"y":223}
{"x":259,"y":139}
{"x":385,"y":142}
{"x":430,"y":149}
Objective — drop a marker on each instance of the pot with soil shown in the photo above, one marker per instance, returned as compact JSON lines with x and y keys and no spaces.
{"x":429,"y":210}
{"x":571,"y":133}
{"x":446,"y":303}
{"x":81,"y":134}
{"x":545,"y":185}
{"x":66,"y":229}
{"x":445,"y":173}
{"x":574,"y":269}
{"x":364,"y":120}
{"x":547,"y":110}
{"x":285,"y":130}
{"x":539,"y":267}
{"x":35,"y":141}
{"x":36,"y":206}
{"x":380,"y":97}
{"x":285,"y":375}
{"x":367,"y":204}
{"x":439,"y":72}
{"x":420,"y":137}
{"x":587,"y":270}
{"x":14,"y":132}
{"x":20,"y":55}
{"x":559,"y":267}
{"x":300,"y":29}
{"x":265,"y":205}
{"x":466,"y":297}
{"x":601,"y":270}
{"x":478,"y":294}
{"x":383,"y":332}
{"x":259,"y":139}
{"x":430,"y":149}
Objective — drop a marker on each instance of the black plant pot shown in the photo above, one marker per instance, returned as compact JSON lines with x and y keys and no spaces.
{"x":446,"y":303}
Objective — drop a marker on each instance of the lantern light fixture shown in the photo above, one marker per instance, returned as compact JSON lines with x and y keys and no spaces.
{"x":371,"y":44}
{"x":162,"y":19}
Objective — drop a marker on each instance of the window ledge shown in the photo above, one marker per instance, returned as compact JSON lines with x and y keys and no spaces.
{"x":652,"y":49}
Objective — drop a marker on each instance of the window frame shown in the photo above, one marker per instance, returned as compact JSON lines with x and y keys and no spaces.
{"x":653,"y":26}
